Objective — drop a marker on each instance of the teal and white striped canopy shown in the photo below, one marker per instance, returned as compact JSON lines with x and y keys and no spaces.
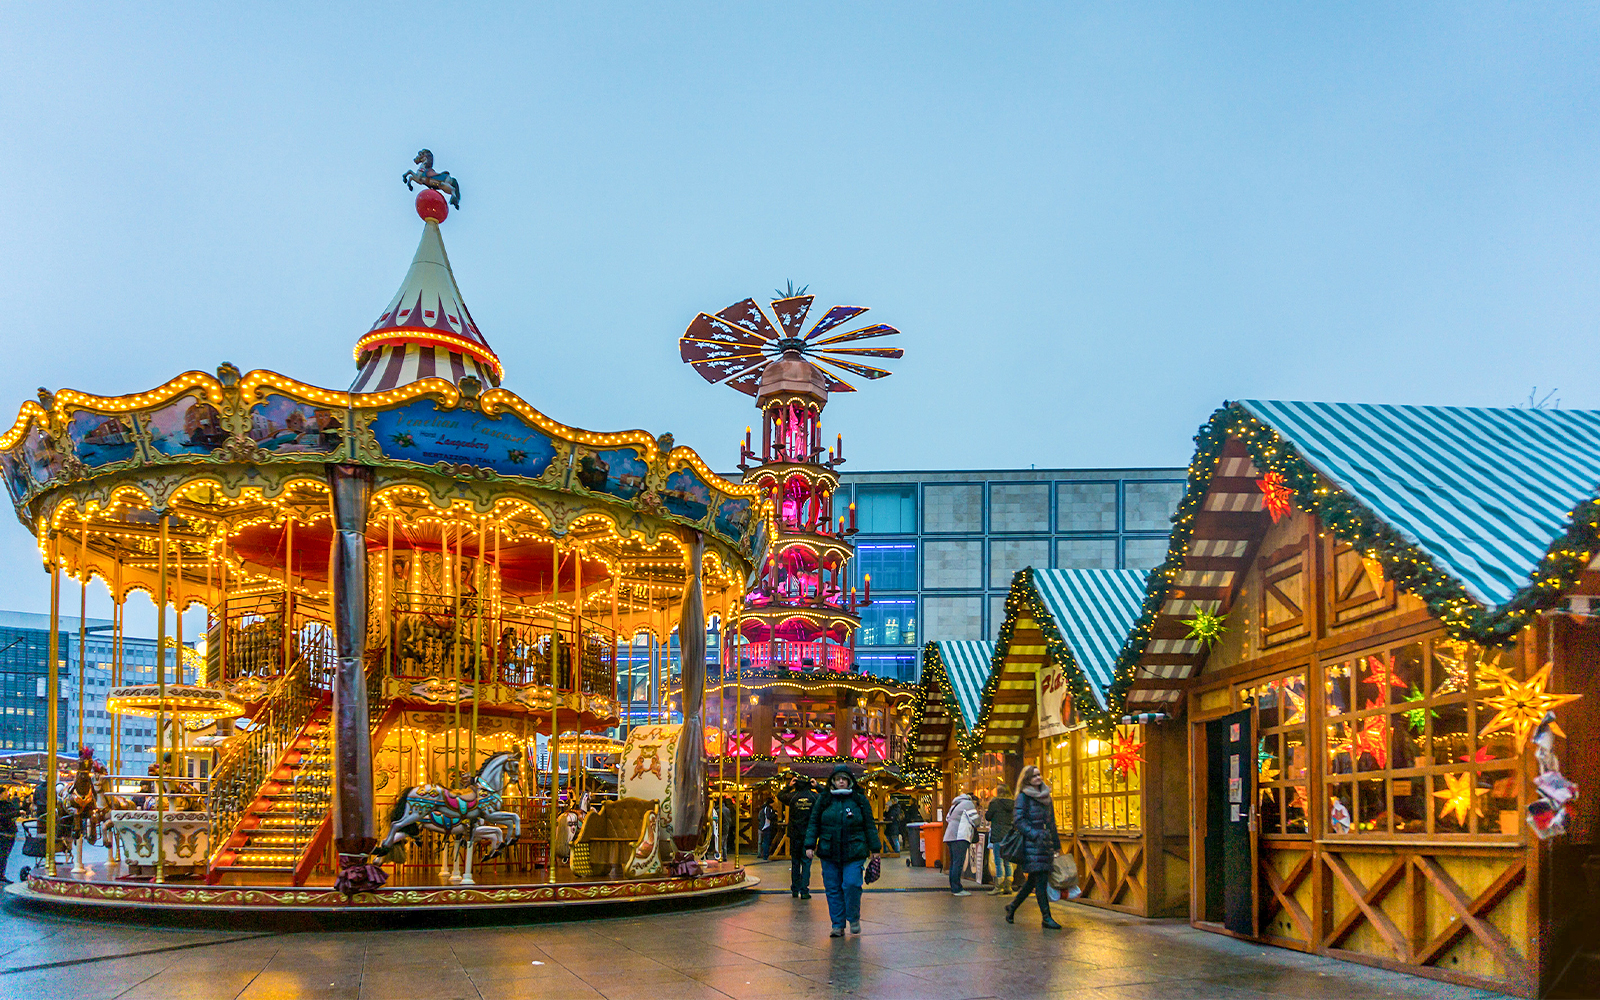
{"x":966,"y":663}
{"x":1094,"y":610}
{"x":1483,"y":491}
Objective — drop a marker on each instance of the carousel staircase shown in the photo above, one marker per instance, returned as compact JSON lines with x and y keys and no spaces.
{"x":287,"y":814}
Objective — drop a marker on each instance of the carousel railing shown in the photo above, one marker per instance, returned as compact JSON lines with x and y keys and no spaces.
{"x":239,"y":776}
{"x":251,"y":641}
{"x":497,"y":644}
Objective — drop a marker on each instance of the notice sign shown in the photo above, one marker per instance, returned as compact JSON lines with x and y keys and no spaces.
{"x":1054,"y":700}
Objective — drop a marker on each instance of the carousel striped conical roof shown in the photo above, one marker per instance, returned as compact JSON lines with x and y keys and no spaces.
{"x":426,"y":330}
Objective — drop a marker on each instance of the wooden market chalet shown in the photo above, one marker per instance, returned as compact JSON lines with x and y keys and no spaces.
{"x":1349,"y":715}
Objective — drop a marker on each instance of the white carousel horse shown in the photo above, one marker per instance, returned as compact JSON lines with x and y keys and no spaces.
{"x":454,"y":811}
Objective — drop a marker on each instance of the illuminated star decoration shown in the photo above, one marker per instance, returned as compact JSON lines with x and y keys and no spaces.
{"x":1266,"y":762}
{"x":1297,"y":703}
{"x":1417,"y":717}
{"x":1454,"y":657}
{"x":1381,"y":675}
{"x":1460,"y":797}
{"x":1520,"y":705}
{"x":1126,"y":754}
{"x":1480,"y":756}
{"x":1205,"y":626}
{"x":1277,"y":495}
{"x":1372,"y":738}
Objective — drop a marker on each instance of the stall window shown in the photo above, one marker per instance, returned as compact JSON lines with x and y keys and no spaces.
{"x":1281,"y":753}
{"x":787,"y":730}
{"x":1058,"y":775}
{"x":1109,"y":773}
{"x":1406,"y":753}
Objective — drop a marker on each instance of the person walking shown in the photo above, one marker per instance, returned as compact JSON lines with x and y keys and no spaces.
{"x":1035,"y":815}
{"x":767,"y":823}
{"x":800,"y":798}
{"x":844,"y":834}
{"x":9,"y":810}
{"x":998,"y":815}
{"x":960,"y":827}
{"x":892,"y":818}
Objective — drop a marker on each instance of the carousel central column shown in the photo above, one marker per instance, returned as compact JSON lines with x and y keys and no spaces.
{"x":350,"y":491}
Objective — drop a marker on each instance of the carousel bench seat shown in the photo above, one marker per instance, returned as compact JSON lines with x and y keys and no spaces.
{"x":185,"y":839}
{"x":610,"y":834}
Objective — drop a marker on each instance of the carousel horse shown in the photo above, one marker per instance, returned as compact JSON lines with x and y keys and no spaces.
{"x":452,"y":812}
{"x":105,"y":803}
{"x":82,"y":799}
{"x":439,"y":180}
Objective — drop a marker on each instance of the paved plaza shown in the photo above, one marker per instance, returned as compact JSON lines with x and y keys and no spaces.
{"x":916,"y":941}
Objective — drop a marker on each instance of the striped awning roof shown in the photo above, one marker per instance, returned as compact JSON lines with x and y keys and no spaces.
{"x":966,"y":663}
{"x":1482,"y":491}
{"x":1482,"y":494}
{"x":1094,"y":609}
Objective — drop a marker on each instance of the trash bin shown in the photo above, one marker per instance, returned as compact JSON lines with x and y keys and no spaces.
{"x":929,"y":844}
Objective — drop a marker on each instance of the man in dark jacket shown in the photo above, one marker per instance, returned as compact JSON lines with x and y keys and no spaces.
{"x":893,"y":817}
{"x":9,"y":809}
{"x":800,"y":798}
{"x":843,"y":834}
{"x":767,"y":823}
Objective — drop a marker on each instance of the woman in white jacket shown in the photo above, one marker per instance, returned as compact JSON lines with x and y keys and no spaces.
{"x":960,"y":828}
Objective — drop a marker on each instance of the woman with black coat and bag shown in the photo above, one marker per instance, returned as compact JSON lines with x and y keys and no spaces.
{"x":1034,"y":816}
{"x":843,"y":834}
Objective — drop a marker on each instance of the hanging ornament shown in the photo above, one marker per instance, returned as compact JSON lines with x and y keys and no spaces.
{"x":1206,"y":626}
{"x":1126,"y":754}
{"x":1417,"y":718}
{"x":1297,"y":703}
{"x":1480,"y":756}
{"x":1453,"y":655}
{"x":1460,"y":797}
{"x":1371,"y":738}
{"x":1381,"y":674}
{"x":1266,"y":762}
{"x":1521,"y":705}
{"x":1557,"y":801}
{"x":1277,"y":495}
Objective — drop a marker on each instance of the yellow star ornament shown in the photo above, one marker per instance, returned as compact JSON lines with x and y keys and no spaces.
{"x":1460,"y":797}
{"x":1520,"y":705}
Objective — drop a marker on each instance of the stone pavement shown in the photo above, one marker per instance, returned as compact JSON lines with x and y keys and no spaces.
{"x":916,"y":941}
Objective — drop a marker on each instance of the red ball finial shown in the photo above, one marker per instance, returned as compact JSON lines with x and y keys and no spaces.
{"x":431,"y":205}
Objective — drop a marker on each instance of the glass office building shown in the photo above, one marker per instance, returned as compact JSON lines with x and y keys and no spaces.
{"x":24,"y":713}
{"x":942,"y":546}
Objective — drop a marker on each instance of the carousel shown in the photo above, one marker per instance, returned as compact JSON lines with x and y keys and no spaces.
{"x":415,"y":590}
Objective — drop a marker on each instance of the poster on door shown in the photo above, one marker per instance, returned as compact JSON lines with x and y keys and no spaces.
{"x":1054,"y":700}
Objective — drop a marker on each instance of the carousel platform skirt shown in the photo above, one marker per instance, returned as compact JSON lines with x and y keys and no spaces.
{"x":94,"y":892}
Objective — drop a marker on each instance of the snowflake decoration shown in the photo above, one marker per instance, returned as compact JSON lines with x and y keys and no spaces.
{"x":1277,"y":495}
{"x":1460,"y":797}
{"x":1520,"y":706}
{"x":1206,"y":626}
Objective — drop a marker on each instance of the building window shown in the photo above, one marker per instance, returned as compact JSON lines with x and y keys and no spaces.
{"x":952,"y":618}
{"x":1007,"y":555}
{"x":1086,"y":507}
{"x":892,"y":565}
{"x":888,"y":622}
{"x":1019,"y":507}
{"x":886,"y":510}
{"x":1086,"y":553}
{"x":1149,"y":505}
{"x":1108,"y":794}
{"x":952,"y":565}
{"x":1405,"y":748}
{"x":953,"y":507}
{"x":1144,"y":553}
{"x":892,"y":666}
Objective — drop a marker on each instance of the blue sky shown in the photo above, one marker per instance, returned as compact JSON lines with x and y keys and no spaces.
{"x":1093,"y":223}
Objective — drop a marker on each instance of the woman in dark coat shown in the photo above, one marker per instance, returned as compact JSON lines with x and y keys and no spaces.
{"x":843,"y":834}
{"x":1035,"y":815}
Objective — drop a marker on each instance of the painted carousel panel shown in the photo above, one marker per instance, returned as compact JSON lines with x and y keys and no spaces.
{"x":420,"y":432}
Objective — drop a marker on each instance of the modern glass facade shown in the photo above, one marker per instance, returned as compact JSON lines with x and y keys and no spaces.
{"x":941,"y":547}
{"x":24,"y":717}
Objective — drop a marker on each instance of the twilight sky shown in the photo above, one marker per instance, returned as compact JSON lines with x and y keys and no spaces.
{"x":1093,"y":223}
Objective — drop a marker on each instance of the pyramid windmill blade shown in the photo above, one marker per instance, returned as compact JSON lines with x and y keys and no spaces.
{"x":749,"y":382}
{"x":865,"y":333}
{"x":748,"y":315}
{"x":791,"y":313}
{"x":866,"y":352}
{"x":837,"y":316}
{"x":837,"y":384}
{"x":717,"y":349}
{"x":865,"y":371}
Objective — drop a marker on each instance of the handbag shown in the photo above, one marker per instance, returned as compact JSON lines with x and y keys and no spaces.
{"x":874,"y":869}
{"x":1011,"y":846}
{"x":1064,"y":873}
